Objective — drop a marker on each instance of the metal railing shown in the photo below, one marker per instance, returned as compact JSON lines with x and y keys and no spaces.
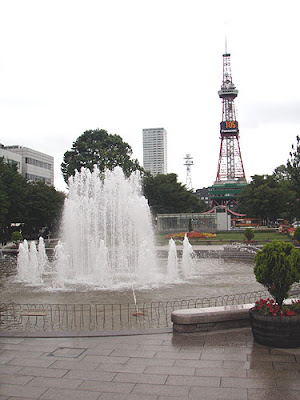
{"x":106,"y":317}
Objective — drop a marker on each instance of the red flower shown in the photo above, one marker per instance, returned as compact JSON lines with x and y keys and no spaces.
{"x":269,"y":307}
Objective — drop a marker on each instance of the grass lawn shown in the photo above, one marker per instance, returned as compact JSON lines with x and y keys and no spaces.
{"x":233,"y":236}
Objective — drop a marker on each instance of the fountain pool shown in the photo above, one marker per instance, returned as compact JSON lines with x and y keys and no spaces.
{"x":106,"y":253}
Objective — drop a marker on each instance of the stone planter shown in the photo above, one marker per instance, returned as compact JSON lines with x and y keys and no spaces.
{"x":276,"y":331}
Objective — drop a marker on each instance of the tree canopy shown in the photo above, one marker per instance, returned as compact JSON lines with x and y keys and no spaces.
{"x":270,"y":197}
{"x":166,"y":196}
{"x":264,"y":198}
{"x":33,"y":204}
{"x":293,"y":167}
{"x":97,"y":147}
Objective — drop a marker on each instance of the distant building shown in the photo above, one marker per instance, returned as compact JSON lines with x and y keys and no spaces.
{"x":155,"y":150}
{"x":11,"y":158}
{"x":203,"y":194}
{"x":32,"y":165}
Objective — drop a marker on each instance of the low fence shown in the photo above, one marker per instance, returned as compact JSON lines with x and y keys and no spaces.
{"x":106,"y":317}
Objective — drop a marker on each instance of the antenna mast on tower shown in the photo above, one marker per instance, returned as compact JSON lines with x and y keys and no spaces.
{"x":188,"y":163}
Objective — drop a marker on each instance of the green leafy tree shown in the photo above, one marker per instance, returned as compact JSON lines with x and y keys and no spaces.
{"x":281,"y":174}
{"x":97,"y":147}
{"x":264,"y":198}
{"x":34,"y":204}
{"x":16,"y":237}
{"x":277,"y":267}
{"x":293,"y":170}
{"x":293,"y":166}
{"x":166,"y":196}
{"x":12,"y":194}
{"x":297,"y":234}
{"x":44,"y":206}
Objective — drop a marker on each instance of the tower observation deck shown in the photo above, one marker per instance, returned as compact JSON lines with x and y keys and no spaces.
{"x":230,"y":179}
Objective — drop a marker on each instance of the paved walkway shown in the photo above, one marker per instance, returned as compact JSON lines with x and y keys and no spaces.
{"x":160,"y":366}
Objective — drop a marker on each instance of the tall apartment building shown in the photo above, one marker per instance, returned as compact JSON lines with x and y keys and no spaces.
{"x":155,"y":150}
{"x":32,"y":164}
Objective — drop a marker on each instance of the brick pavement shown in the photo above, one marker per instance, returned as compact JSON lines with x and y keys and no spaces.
{"x":160,"y":366}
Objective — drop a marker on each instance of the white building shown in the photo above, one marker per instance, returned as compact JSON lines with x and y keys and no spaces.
{"x":11,"y":158}
{"x":155,"y":150}
{"x":32,"y":165}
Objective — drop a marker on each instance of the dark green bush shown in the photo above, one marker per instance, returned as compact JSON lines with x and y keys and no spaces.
{"x":249,"y":234}
{"x":277,"y":267}
{"x":16,"y":237}
{"x":297,"y":234}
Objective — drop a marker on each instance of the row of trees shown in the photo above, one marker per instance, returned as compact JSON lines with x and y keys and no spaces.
{"x":34,"y":205}
{"x":270,"y":197}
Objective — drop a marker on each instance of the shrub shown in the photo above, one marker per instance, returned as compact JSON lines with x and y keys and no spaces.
{"x":16,"y":237}
{"x":297,"y":234}
{"x":277,"y":267}
{"x":249,"y":234}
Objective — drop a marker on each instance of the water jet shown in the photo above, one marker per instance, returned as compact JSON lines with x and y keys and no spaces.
{"x":107,"y":238}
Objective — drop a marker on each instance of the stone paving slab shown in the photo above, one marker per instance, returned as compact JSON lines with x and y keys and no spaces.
{"x":157,"y":366}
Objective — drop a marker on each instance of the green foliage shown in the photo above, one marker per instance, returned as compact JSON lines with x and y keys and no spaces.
{"x":297,"y":234}
{"x":293,"y":166}
{"x":44,"y":206}
{"x":293,"y":170}
{"x":167,"y":196}
{"x":249,"y":234}
{"x":270,"y":197}
{"x":265,"y":197}
{"x":12,"y":194}
{"x":97,"y":147}
{"x":33,"y":203}
{"x":277,"y":267}
{"x":16,"y":237}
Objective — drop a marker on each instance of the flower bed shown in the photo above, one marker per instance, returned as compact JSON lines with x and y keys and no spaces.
{"x":191,"y":235}
{"x":270,"y":307}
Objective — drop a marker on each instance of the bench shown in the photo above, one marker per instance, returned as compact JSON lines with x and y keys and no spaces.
{"x":211,"y":318}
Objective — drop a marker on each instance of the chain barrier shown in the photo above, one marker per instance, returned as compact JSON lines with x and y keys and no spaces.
{"x":101,"y":317}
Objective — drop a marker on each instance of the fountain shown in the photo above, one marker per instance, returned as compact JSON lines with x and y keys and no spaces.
{"x":188,"y":258}
{"x":172,"y":266}
{"x":31,"y":262}
{"x":107,"y":238}
{"x":106,"y":253}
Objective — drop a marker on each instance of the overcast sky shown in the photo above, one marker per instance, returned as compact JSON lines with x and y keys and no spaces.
{"x":67,"y":66}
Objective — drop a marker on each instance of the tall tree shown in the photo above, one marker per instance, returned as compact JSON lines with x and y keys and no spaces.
{"x":166,"y":196}
{"x":12,"y":193}
{"x":293,"y":166}
{"x":44,"y":206}
{"x":264,"y":198}
{"x":34,"y":204}
{"x":293,"y":169}
{"x":97,"y":147}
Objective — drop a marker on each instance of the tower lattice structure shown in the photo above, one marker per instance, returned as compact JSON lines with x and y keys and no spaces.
{"x":188,"y":164}
{"x":230,"y":178}
{"x":230,"y":164}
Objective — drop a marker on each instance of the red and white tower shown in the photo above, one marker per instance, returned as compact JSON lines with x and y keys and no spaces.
{"x":230,"y":178}
{"x":230,"y":165}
